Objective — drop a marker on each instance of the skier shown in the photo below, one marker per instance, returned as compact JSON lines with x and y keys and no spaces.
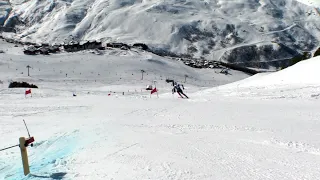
{"x":177,"y":88}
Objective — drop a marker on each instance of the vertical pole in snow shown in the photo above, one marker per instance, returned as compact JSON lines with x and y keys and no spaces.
{"x":24,"y":156}
{"x":142,"y":71}
{"x":28,"y":69}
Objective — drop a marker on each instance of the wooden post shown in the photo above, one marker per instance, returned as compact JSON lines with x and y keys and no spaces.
{"x":24,"y":156}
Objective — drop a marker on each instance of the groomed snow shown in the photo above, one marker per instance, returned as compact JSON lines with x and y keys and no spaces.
{"x":214,"y":135}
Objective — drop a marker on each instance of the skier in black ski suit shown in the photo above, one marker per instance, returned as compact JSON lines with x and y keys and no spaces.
{"x":177,"y":88}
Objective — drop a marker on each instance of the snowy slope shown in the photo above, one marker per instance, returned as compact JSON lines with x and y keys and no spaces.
{"x":298,"y":81}
{"x":262,"y":127}
{"x":133,"y":136}
{"x":111,"y":66}
{"x":217,"y":30}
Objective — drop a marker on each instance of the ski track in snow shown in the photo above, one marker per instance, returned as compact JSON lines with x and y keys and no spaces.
{"x":218,"y":150}
{"x":249,"y":129}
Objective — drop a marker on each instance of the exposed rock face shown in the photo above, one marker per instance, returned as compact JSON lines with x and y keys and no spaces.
{"x":260,"y":55}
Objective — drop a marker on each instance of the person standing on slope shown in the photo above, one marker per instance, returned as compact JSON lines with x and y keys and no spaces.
{"x":177,"y":88}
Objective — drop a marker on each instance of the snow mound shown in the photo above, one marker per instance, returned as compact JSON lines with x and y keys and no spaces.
{"x":298,"y":81}
{"x":303,"y":73}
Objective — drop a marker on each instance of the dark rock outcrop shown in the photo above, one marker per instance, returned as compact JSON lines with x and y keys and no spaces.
{"x":15,"y":84}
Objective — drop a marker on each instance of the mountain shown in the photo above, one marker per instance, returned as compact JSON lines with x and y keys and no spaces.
{"x":265,"y":33}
